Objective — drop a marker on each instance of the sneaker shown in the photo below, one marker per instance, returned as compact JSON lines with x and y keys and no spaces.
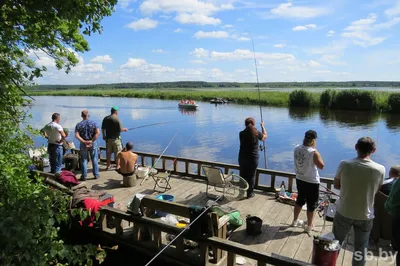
{"x":96,"y":176}
{"x":298,"y":223}
{"x":83,"y":178}
{"x":308,"y":229}
{"x":252,"y":195}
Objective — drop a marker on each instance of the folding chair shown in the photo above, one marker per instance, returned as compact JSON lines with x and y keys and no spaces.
{"x":160,"y":178}
{"x":216,"y":178}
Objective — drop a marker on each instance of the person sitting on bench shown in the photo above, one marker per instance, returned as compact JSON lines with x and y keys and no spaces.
{"x":127,"y":160}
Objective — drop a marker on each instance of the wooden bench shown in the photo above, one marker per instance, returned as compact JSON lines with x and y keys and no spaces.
{"x":217,"y":226}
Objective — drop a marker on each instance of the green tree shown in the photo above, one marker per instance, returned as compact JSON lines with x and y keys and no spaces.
{"x":31,"y":214}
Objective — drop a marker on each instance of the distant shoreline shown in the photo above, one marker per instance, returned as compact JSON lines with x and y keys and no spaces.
{"x":355,"y":99}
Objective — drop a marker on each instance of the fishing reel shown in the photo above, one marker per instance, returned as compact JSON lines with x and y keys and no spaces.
{"x":262,"y":147}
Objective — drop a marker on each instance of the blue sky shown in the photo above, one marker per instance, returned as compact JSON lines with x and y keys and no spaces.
{"x":210,"y":40}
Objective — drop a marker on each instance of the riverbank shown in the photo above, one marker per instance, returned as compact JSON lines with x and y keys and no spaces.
{"x":329,"y":99}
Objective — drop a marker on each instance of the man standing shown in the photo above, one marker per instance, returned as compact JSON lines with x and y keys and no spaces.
{"x":87,"y":133}
{"x":55,"y":136}
{"x":358,"y":179}
{"x":111,"y":129}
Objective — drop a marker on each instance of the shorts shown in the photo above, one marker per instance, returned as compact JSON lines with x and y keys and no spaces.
{"x":114,"y":146}
{"x":307,"y":193}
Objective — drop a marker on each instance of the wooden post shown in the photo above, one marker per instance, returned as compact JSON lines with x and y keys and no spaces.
{"x":261,"y":263}
{"x":231,"y":259}
{"x":226,"y":170}
{"x":152,"y":161}
{"x":290,"y":187}
{"x":163,"y":164}
{"x":118,"y":226}
{"x":103,"y":221}
{"x":186,"y":167}
{"x":199,"y":170}
{"x":273,"y":178}
{"x":142,"y":158}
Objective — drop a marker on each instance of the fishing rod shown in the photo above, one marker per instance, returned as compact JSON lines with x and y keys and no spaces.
{"x":377,"y":134}
{"x":161,"y":155}
{"x":262,"y":148}
{"x":149,"y":125}
{"x":185,"y":145}
{"x":184,"y":230}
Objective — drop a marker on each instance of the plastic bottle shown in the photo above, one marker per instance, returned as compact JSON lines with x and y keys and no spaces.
{"x":282,"y":192}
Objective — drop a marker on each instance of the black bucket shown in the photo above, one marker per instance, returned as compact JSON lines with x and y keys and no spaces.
{"x":253,"y":225}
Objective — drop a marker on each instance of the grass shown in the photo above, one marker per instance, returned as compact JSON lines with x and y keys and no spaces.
{"x":268,"y":98}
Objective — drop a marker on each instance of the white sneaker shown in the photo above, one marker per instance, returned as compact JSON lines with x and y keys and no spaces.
{"x":298,"y":223}
{"x":308,"y":229}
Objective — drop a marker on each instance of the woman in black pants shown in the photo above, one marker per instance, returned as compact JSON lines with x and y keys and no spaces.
{"x":248,"y":153}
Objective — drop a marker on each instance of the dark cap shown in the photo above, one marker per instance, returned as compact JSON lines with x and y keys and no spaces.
{"x":311,"y":134}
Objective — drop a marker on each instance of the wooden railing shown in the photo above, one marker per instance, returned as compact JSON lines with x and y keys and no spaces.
{"x":150,"y":244}
{"x":183,"y":166}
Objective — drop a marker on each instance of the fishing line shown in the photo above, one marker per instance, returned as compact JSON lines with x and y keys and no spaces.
{"x":184,"y":230}
{"x":161,"y":155}
{"x":377,"y":134}
{"x":262,"y":148}
{"x":149,"y":125}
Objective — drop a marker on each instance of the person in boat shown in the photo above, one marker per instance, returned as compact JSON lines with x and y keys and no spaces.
{"x":307,"y":161}
{"x":87,"y":133}
{"x":55,"y":135}
{"x":111,"y":128}
{"x":392,"y":205}
{"x":358,"y":180}
{"x":248,"y":152}
{"x":182,"y":101}
{"x":394,"y":174}
{"x":128,"y":160}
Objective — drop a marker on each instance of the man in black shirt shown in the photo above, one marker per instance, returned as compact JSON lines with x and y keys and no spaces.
{"x":111,"y":129}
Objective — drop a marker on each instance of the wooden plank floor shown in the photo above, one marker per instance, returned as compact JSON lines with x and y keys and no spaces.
{"x":277,"y":235}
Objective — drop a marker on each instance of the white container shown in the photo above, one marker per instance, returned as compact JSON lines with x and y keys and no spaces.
{"x":142,"y":172}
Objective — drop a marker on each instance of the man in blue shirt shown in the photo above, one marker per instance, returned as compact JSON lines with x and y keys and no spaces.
{"x":87,"y":133}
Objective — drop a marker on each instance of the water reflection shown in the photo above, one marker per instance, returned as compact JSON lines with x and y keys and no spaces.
{"x":349,"y":118}
{"x":392,"y":121}
{"x":298,"y":113}
{"x":187,"y":112}
{"x":217,"y":129}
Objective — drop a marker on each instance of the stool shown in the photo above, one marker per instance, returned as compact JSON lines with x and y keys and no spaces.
{"x":129,"y":181}
{"x":159,"y":178}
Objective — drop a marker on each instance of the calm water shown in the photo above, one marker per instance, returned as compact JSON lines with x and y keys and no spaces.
{"x":216,"y":129}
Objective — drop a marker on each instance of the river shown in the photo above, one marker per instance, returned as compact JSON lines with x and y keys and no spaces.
{"x":215,"y":129}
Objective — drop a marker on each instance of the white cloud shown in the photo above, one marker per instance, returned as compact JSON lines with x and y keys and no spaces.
{"x":330,"y":33}
{"x":279,"y":45}
{"x":198,"y":61}
{"x":125,"y":3}
{"x":197,"y":18}
{"x":102,"y":59}
{"x":143,"y":24}
{"x":393,"y":11}
{"x":313,"y":63}
{"x":211,"y":34}
{"x":227,"y":26}
{"x":361,"y":32}
{"x":288,"y":10}
{"x":187,"y":6}
{"x":178,"y":30}
{"x":332,"y":60}
{"x":88,"y":68}
{"x":134,"y":63}
{"x":240,"y":54}
{"x":200,"y":52}
{"x":305,"y":27}
{"x":219,"y":35}
{"x":158,"y":51}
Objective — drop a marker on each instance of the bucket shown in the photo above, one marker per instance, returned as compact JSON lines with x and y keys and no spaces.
{"x":253,"y":225}
{"x":165,"y":197}
{"x":142,"y":172}
{"x":323,"y":257}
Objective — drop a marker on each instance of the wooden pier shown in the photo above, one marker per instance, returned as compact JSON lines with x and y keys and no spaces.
{"x":279,"y":244}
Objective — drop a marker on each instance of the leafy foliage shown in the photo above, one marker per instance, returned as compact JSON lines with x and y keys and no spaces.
{"x":327,"y":99}
{"x":31,"y":214}
{"x":394,"y":102}
{"x":301,"y":98}
{"x":355,"y":100}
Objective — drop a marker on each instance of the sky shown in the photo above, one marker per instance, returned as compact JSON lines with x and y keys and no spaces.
{"x":211,"y":40}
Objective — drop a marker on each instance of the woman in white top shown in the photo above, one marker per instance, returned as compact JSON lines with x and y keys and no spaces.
{"x":307,"y":160}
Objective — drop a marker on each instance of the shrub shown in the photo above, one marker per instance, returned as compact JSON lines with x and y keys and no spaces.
{"x":327,"y":99}
{"x":355,"y":100}
{"x":300,"y":98}
{"x":394,"y":102}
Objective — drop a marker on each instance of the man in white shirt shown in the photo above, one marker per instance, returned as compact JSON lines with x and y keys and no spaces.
{"x":55,"y":136}
{"x":358,"y":179}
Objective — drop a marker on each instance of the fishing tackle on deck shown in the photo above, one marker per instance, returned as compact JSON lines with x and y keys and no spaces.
{"x":183,"y":231}
{"x":262,"y":147}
